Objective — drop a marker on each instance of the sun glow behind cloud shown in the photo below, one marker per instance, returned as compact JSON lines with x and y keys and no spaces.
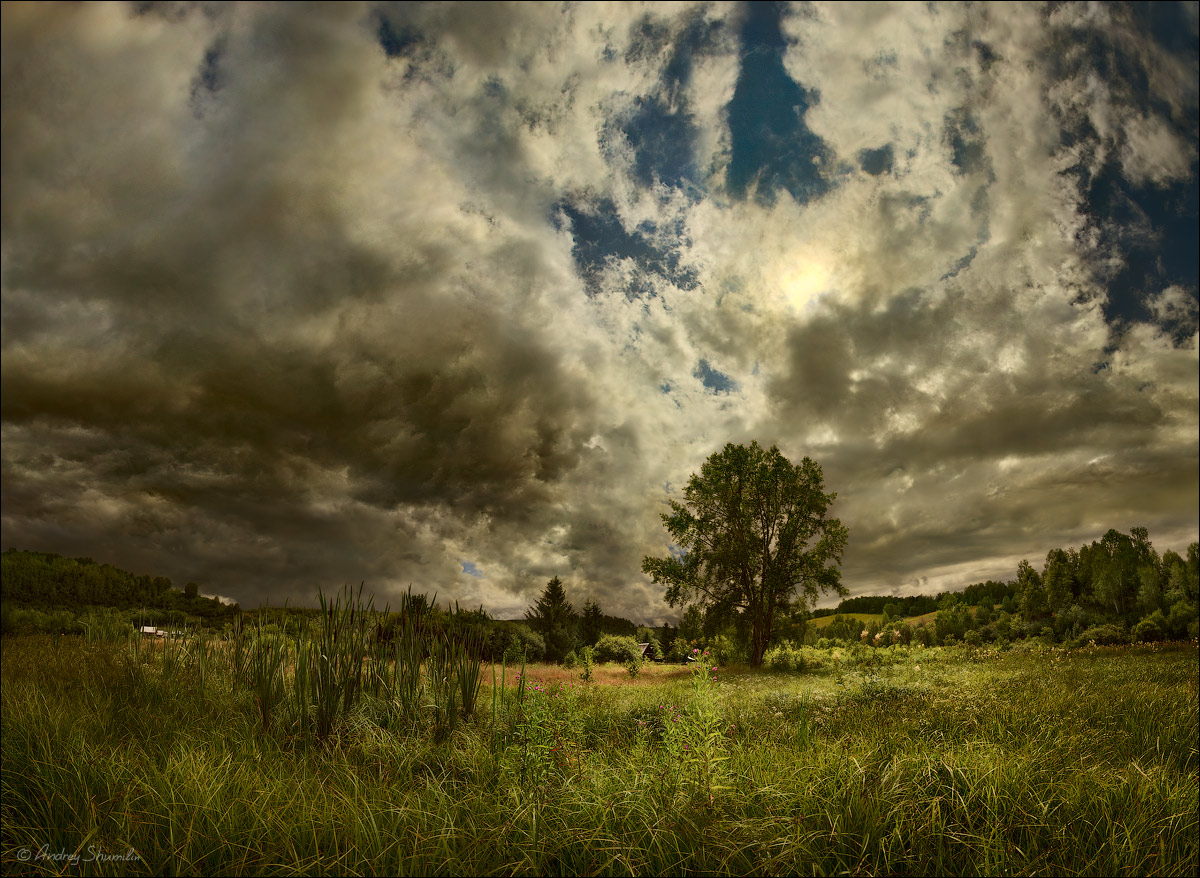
{"x":806,"y":281}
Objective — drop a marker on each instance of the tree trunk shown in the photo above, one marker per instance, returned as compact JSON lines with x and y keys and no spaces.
{"x":760,"y":636}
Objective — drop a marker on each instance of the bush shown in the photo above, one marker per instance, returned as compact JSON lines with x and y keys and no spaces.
{"x":784,"y":657}
{"x":726,"y":651}
{"x":680,"y":650}
{"x":1102,"y":635}
{"x":570,"y":661}
{"x":615,"y":648}
{"x":520,"y":643}
{"x":1151,"y":629}
{"x":1181,"y":620}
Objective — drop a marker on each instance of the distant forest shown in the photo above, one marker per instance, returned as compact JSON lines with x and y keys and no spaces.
{"x":52,"y":594}
{"x":49,"y":593}
{"x":1116,"y":589}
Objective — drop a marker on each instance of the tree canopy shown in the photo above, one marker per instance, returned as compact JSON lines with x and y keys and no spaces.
{"x":753,"y":537}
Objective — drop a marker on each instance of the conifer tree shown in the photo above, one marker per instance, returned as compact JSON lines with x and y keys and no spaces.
{"x":555,"y":619}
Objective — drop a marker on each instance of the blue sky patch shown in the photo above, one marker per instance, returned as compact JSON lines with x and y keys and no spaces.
{"x":876,"y":161}
{"x":663,"y":144}
{"x":773,"y":147}
{"x":714,"y":380}
{"x":600,"y":238}
{"x":661,"y":129}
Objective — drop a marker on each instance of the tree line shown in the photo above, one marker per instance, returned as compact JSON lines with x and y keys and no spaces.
{"x":46,"y":593}
{"x":49,"y":593}
{"x":1117,"y":589}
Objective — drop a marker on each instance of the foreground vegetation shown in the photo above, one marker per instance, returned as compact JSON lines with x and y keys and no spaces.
{"x":207,"y":758}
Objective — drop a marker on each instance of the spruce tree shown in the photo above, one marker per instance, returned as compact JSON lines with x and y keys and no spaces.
{"x":555,"y":619}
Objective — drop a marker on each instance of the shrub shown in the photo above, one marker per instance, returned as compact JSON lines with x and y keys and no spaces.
{"x":615,"y":648}
{"x":784,"y":657}
{"x":680,"y":650}
{"x":1102,"y":635}
{"x":522,"y":644}
{"x":585,"y":659}
{"x":1181,"y":619}
{"x":1150,"y":629}
{"x":725,"y":650}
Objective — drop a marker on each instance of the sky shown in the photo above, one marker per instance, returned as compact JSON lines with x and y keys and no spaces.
{"x":457,"y":296}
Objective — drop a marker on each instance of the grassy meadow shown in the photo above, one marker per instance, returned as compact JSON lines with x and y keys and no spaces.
{"x":207,"y":757}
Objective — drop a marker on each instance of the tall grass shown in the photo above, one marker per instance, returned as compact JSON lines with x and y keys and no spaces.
{"x":921,"y":762}
{"x":267,"y":654}
{"x":334,"y":660}
{"x":407,"y":687}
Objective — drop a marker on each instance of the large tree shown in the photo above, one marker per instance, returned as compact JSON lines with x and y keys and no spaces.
{"x":754,"y":538}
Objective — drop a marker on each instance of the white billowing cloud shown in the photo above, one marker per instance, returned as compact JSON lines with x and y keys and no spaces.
{"x":885,"y":73}
{"x":1153,"y":152}
{"x":335,"y":329}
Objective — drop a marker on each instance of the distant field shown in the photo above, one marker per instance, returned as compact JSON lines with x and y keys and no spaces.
{"x":925,"y":619}
{"x":896,"y":761}
{"x":825,"y":621}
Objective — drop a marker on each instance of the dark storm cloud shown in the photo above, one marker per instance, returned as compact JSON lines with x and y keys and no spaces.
{"x":195,"y":282}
